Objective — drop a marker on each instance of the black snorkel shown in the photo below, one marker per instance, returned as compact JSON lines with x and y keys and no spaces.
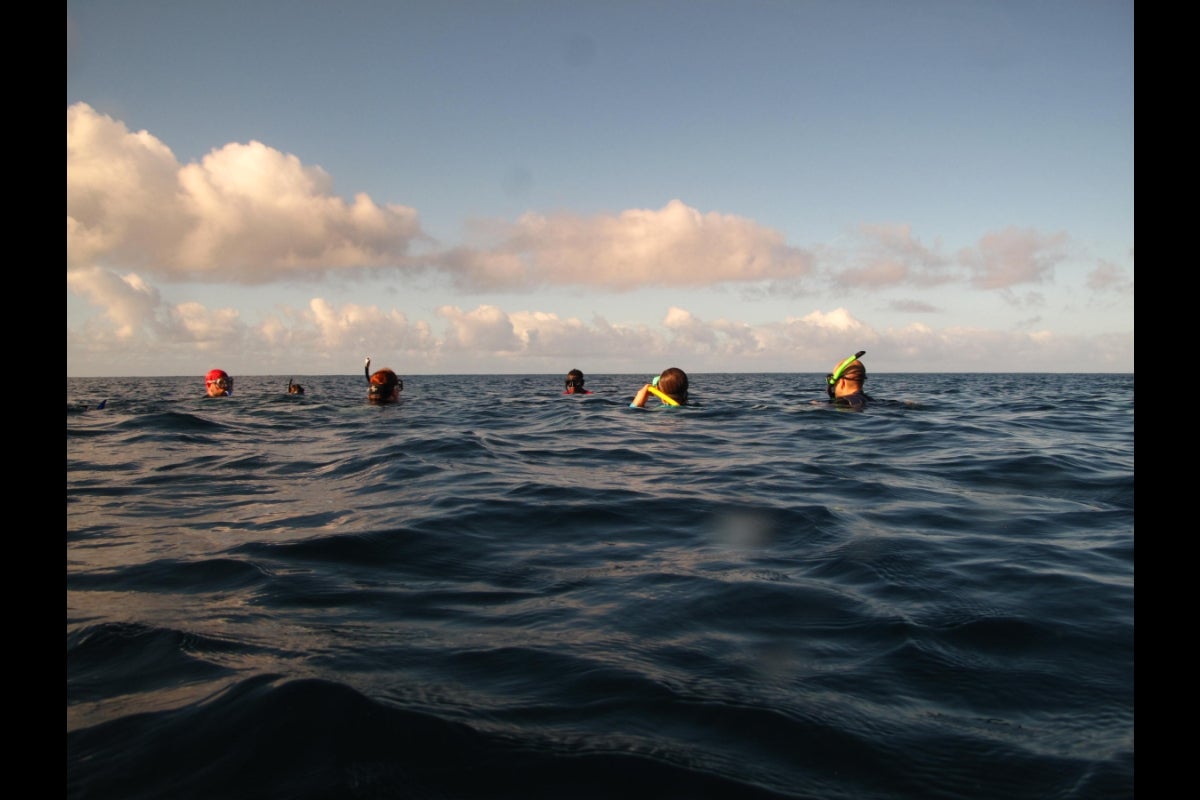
{"x":832,"y":378}
{"x":374,"y":390}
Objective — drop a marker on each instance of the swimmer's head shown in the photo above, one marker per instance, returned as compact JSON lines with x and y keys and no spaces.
{"x":218,"y":383}
{"x":384,"y":386}
{"x":848,"y":369}
{"x":674,"y":382}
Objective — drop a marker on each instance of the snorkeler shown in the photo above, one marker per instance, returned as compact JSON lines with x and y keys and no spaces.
{"x":845,"y":383}
{"x":383,"y":386}
{"x":217,"y":383}
{"x":574,"y":383}
{"x":670,"y":386}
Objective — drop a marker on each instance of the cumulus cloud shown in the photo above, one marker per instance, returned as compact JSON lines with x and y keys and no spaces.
{"x":249,"y":214}
{"x":141,"y":332}
{"x":246,"y":213}
{"x":138,"y":316}
{"x":1108,"y":277}
{"x":879,"y":256}
{"x":912,"y":306}
{"x":882,"y":256}
{"x":675,"y":246}
{"x":1013,"y":256}
{"x":129,"y":304}
{"x":206,"y":326}
{"x":839,"y":320}
{"x":486,"y":328}
{"x":549,"y":334}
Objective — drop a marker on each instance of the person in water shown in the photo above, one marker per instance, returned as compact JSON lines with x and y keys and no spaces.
{"x":670,"y":386}
{"x":294,"y":388}
{"x":845,"y":383}
{"x":217,"y":383}
{"x":575,"y":383}
{"x":383,"y":386}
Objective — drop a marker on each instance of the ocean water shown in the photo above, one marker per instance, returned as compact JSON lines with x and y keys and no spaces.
{"x":490,"y":589}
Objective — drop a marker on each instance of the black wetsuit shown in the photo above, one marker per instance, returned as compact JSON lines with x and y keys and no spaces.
{"x":857,"y":401}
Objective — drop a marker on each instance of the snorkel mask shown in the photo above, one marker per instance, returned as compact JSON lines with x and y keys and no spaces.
{"x":220,"y":380}
{"x":384,"y":390}
{"x":832,"y":378}
{"x":575,"y":384}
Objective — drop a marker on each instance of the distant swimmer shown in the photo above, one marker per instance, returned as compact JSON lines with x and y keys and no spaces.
{"x":217,"y":383}
{"x":383,"y":386}
{"x":574,"y":383}
{"x":670,"y":386}
{"x":74,"y":408}
{"x":294,"y":388}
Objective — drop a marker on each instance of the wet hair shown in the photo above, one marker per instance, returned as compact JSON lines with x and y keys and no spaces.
{"x":381,"y":384}
{"x":674,"y":381}
{"x":855,"y":372}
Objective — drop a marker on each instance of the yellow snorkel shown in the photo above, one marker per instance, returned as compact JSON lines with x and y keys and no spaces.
{"x":661,"y":395}
{"x":832,"y":378}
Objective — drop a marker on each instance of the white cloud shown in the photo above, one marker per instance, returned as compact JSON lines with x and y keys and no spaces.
{"x":1010,"y":257}
{"x":248,"y":214}
{"x":674,"y":246}
{"x":880,"y":255}
{"x":487,"y":329}
{"x":1108,"y":277}
{"x":245,"y":214}
{"x":128,"y":303}
{"x":838,"y":320}
{"x":143,"y":332}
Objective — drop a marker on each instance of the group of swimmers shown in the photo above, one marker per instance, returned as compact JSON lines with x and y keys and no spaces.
{"x":383,"y":386}
{"x":844,"y":385}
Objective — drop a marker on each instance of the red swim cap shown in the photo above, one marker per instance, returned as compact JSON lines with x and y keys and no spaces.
{"x":214,"y":375}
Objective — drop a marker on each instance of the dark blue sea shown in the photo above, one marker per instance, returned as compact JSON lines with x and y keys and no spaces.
{"x":493,"y":590}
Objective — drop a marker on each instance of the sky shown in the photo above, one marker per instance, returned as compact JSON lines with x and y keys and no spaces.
{"x":285,"y":187}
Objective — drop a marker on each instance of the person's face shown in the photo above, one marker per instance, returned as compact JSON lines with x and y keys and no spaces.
{"x":219,"y":387}
{"x":381,"y":395}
